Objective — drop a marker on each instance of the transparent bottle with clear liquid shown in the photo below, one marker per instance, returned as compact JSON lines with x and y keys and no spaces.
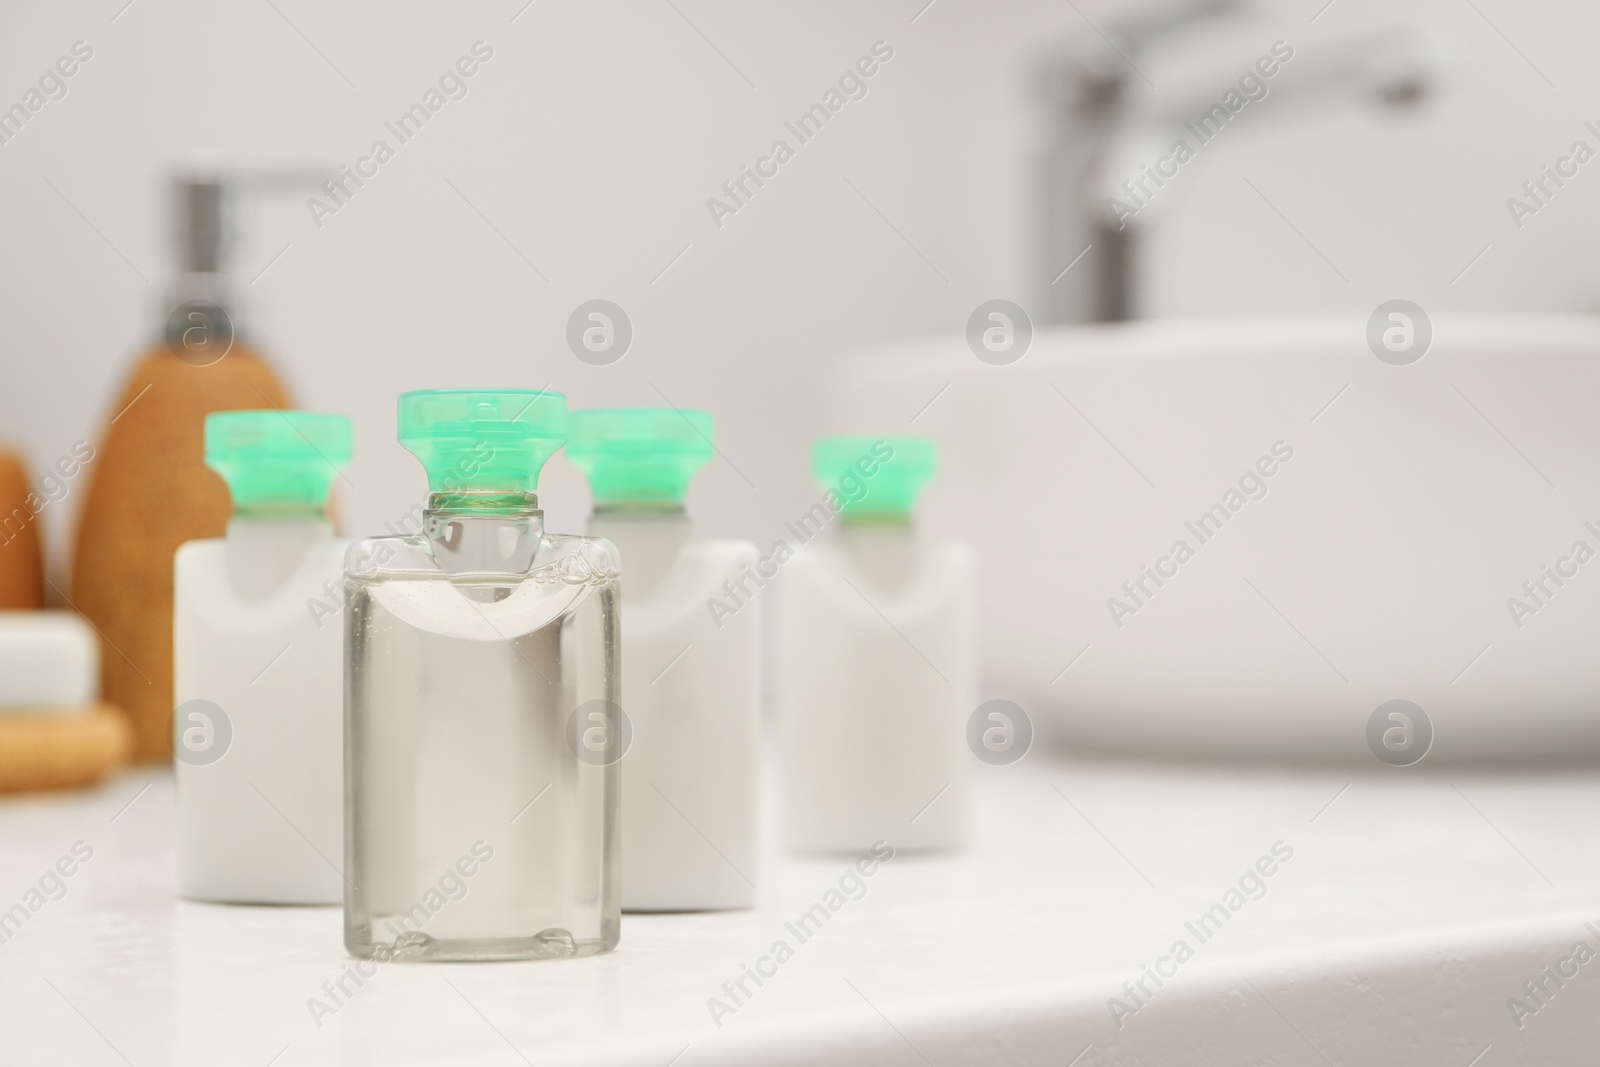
{"x":483,"y":731}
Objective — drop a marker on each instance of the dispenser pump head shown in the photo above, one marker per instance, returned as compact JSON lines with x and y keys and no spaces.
{"x":200,"y":219}
{"x":640,"y":455}
{"x":202,"y":304}
{"x":876,"y":478}
{"x":280,"y":462}
{"x":472,"y":440}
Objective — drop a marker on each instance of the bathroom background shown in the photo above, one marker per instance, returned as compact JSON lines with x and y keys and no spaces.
{"x":579,"y":163}
{"x":591,"y":155}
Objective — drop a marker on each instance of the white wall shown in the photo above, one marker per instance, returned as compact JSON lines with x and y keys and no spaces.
{"x":592,"y":140}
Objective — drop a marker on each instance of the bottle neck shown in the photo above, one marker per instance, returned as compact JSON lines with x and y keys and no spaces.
{"x":201,"y":316}
{"x":212,"y":287}
{"x":502,"y":503}
{"x":264,"y":550}
{"x":649,"y":537}
{"x":640,"y":509}
{"x":886,"y":553}
{"x":872,"y":520}
{"x":484,"y":532}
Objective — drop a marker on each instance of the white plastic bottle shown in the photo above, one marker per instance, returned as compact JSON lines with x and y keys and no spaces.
{"x":258,"y":670}
{"x":876,"y":659}
{"x":690,"y":673}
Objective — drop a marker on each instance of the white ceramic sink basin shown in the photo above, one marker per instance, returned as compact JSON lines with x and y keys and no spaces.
{"x":1378,"y":561}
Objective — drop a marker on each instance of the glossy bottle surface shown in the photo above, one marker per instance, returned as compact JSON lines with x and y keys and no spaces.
{"x":482,"y":742}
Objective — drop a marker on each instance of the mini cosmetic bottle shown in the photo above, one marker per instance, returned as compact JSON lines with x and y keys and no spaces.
{"x":258,"y":665}
{"x":691,"y":684}
{"x":876,"y":659}
{"x":483,"y":731}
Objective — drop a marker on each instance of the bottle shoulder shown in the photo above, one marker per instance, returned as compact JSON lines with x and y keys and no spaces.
{"x":219,"y":601}
{"x":925,"y":574}
{"x":577,"y":558}
{"x":565,"y":558}
{"x":699,"y":571}
{"x":719,"y":550}
{"x":192,"y":552}
{"x":398,"y":578}
{"x":925,"y":556}
{"x":213,"y":566}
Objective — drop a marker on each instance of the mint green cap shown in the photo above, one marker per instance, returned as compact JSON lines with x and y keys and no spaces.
{"x":277,"y":460}
{"x":640,"y":455}
{"x":483,"y":439}
{"x":882,"y":474}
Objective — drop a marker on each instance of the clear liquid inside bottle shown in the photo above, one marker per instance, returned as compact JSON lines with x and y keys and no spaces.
{"x":482,"y":740}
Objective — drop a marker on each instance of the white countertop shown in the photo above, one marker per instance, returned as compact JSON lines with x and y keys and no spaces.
{"x":1415,"y":904}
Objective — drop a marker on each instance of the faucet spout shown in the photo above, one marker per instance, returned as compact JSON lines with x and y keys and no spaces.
{"x":1097,"y":101}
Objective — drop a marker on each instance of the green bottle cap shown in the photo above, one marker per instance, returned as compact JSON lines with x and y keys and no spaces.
{"x":639,"y":455}
{"x":875,"y":477}
{"x":483,"y":440}
{"x":277,"y":461}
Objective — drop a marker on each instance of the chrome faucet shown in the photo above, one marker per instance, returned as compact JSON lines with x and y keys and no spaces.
{"x":1086,"y":246}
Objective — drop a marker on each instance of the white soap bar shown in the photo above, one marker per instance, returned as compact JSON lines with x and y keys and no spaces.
{"x":49,"y":660}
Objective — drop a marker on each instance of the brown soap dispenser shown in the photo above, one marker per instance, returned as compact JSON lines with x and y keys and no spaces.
{"x":21,"y":557}
{"x":150,"y":490}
